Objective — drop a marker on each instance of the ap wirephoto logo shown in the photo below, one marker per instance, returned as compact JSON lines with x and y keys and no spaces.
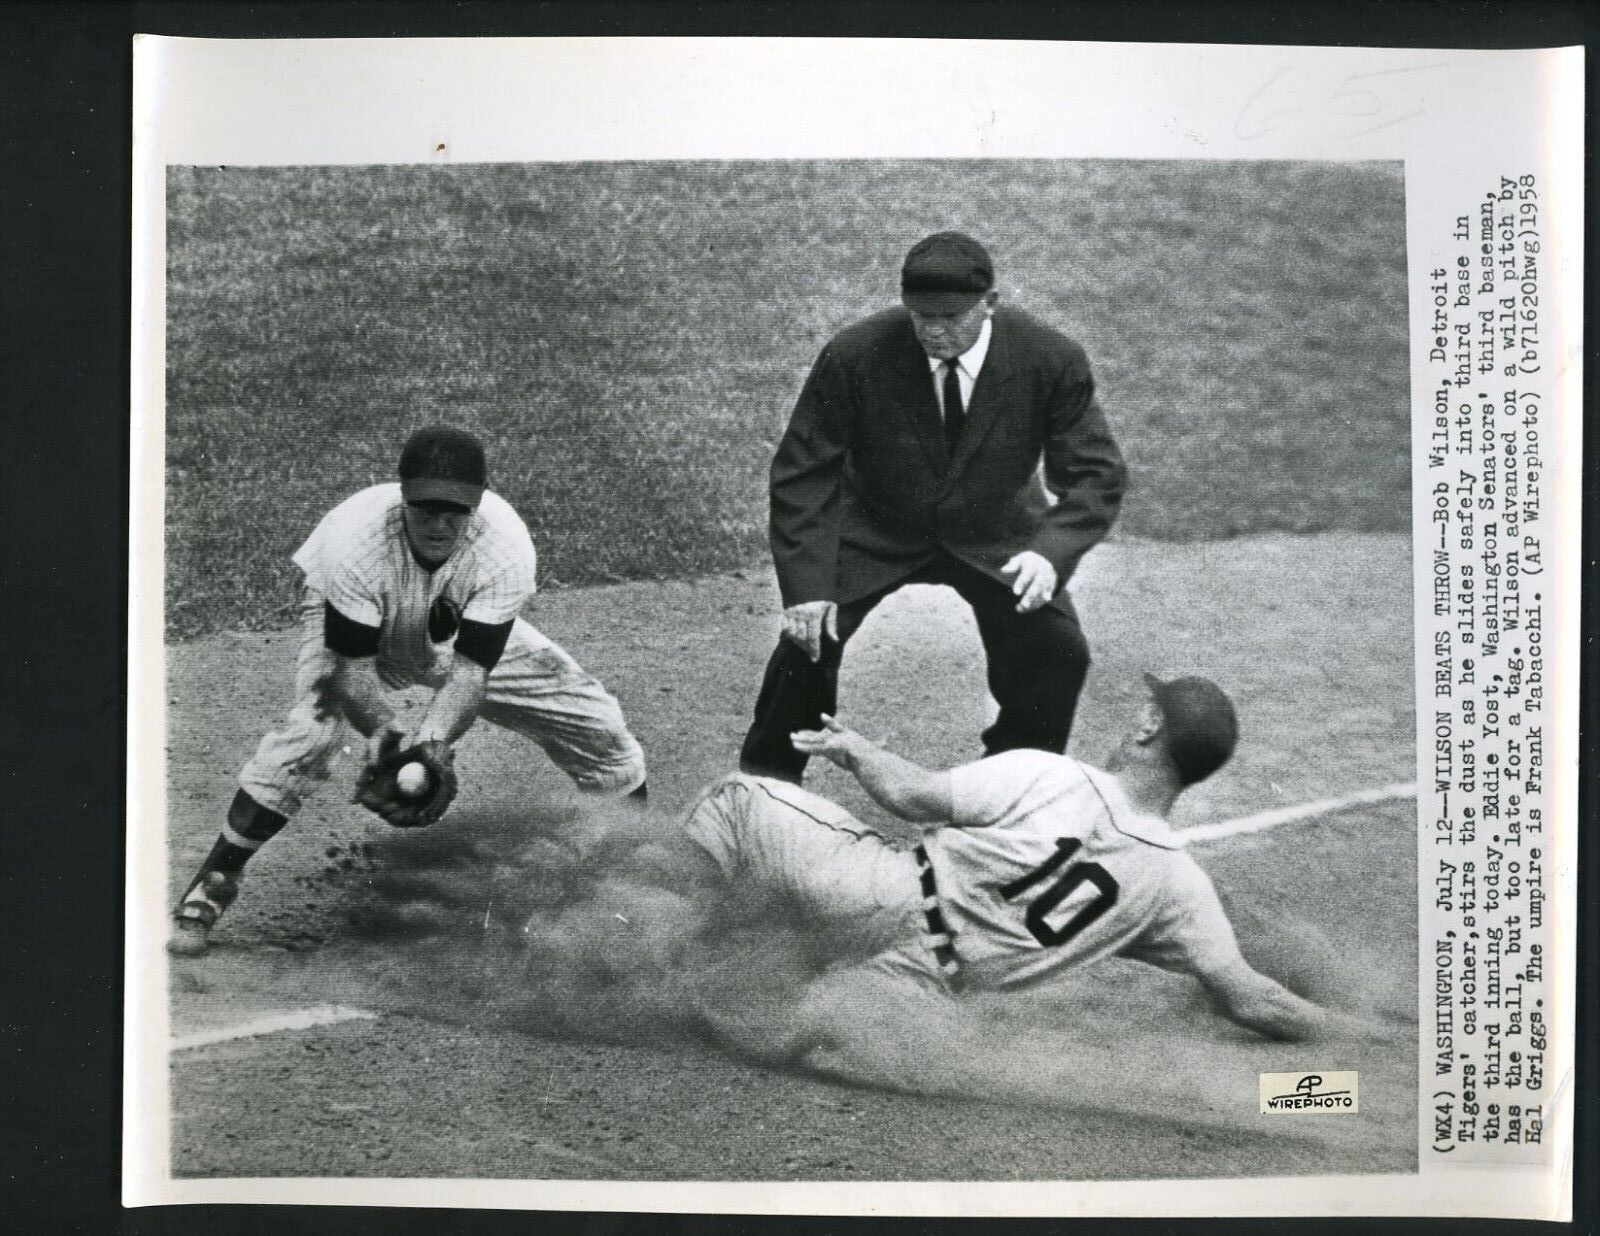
{"x":1282,"y":1093}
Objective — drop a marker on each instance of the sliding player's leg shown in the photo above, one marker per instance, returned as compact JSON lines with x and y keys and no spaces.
{"x":785,"y":839}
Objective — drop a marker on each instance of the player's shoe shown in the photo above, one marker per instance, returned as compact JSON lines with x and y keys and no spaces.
{"x":199,"y":911}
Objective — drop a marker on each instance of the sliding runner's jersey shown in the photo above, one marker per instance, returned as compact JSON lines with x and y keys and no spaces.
{"x":1047,"y":866}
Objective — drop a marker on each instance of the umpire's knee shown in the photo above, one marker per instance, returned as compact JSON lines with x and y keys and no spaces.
{"x":1072,"y":645}
{"x":1068,"y":650}
{"x":1053,"y":637}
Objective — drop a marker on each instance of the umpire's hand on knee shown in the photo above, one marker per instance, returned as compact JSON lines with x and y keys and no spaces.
{"x":805,"y":624}
{"x":1035,"y":581}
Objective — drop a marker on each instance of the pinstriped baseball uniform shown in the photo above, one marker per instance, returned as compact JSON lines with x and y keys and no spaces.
{"x":359,"y":560}
{"x":1044,"y":867}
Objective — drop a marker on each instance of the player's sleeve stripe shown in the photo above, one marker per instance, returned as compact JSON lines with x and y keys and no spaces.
{"x":483,"y":642}
{"x":346,"y":636}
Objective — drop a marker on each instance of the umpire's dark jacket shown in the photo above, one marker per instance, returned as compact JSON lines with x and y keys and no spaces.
{"x":864,"y":491}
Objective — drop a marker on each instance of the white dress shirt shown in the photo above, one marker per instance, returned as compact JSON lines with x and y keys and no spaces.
{"x":968,"y":365}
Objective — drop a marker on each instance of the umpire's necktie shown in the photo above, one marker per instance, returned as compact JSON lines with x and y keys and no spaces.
{"x":955,"y":416}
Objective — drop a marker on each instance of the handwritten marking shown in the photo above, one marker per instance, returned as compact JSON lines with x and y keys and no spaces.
{"x":1336,"y":107}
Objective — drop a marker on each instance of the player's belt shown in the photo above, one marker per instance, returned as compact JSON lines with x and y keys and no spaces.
{"x":939,"y":938}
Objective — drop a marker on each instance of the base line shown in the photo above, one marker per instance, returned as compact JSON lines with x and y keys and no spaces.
{"x":1264,"y":820}
{"x":329,"y":1014}
{"x":299,"y":1019}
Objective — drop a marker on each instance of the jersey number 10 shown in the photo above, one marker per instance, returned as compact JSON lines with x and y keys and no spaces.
{"x":1073,"y":878}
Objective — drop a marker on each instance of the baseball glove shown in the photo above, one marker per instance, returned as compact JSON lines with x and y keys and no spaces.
{"x":377,"y":787}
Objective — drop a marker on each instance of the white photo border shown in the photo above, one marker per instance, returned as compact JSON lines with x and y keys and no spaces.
{"x":1454,"y":118}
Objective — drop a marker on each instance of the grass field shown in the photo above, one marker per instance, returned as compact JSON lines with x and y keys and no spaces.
{"x":629,"y":338}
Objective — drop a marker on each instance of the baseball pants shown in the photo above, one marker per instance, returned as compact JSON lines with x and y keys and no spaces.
{"x":1037,"y":664}
{"x":845,"y":876}
{"x":536,"y":690}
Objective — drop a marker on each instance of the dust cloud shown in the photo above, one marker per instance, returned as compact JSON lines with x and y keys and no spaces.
{"x":603,"y":923}
{"x":606,"y":924}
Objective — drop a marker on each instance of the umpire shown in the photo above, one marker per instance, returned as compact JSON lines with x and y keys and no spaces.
{"x":948,"y":441}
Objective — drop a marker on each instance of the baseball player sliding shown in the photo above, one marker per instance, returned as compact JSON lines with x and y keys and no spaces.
{"x":1023,"y":865}
{"x":415,"y":583}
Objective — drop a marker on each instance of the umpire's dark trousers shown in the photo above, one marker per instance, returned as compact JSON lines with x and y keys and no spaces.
{"x":1037,"y":664}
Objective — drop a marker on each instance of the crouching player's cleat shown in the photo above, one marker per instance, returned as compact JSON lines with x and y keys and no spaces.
{"x":199,"y":911}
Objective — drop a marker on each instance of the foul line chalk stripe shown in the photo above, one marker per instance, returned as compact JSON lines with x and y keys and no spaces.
{"x":1293,"y":815}
{"x":328,"y":1014}
{"x":299,"y":1019}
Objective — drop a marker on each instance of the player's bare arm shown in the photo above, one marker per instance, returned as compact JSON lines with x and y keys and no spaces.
{"x":456,"y":704}
{"x":1251,"y":999}
{"x":907,"y":790}
{"x":356,"y":691}
{"x":359,"y":694}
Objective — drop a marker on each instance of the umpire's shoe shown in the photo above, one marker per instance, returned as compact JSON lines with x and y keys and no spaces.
{"x":199,"y":911}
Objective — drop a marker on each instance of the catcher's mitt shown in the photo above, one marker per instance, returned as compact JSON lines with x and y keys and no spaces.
{"x":377,"y":789}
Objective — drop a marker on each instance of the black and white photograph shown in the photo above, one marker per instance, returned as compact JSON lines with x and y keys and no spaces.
{"x":817,"y":670}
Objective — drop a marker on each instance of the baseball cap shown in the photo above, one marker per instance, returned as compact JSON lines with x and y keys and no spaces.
{"x":443,"y":464}
{"x":945,"y":273}
{"x":1200,"y":724}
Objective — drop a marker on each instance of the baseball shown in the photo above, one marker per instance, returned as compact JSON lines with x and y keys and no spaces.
{"x":412,"y":780}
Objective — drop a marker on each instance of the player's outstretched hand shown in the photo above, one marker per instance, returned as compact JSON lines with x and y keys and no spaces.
{"x":1035,"y":581}
{"x":806,"y":624}
{"x":834,"y":741}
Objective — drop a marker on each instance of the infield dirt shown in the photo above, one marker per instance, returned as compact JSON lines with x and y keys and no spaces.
{"x":585,"y":1067}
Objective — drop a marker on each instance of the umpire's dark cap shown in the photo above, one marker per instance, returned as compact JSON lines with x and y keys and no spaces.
{"x":443,"y":464}
{"x":945,"y":273}
{"x":1201,"y":727}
